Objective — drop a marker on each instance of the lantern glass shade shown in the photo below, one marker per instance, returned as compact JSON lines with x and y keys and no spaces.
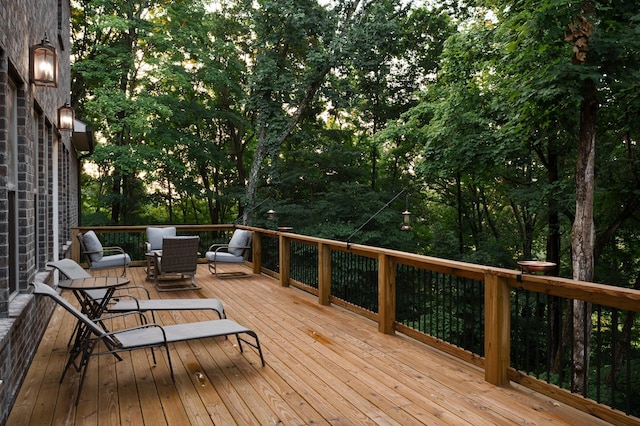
{"x":271,"y":214}
{"x":66,"y":117}
{"x":44,"y":64}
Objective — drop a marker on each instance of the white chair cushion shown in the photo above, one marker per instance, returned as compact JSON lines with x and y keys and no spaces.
{"x":239,"y":239}
{"x":223,"y":256}
{"x":112,"y":261}
{"x":92,"y":243}
{"x":155,"y":236}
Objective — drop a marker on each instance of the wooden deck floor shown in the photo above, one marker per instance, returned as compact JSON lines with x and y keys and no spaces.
{"x":324,"y":366}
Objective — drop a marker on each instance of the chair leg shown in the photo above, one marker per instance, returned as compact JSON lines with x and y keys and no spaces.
{"x":255,"y":345}
{"x":173,"y":377}
{"x":226,"y":275}
{"x":84,"y":363}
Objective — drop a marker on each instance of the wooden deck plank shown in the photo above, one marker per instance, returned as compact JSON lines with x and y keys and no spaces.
{"x":354,"y":406}
{"x":315,"y":339}
{"x":325,"y":365}
{"x":380,"y":406}
{"x":39,"y":386}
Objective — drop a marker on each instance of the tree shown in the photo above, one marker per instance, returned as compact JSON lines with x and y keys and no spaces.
{"x":162,"y":83}
{"x":111,"y":42}
{"x":297,"y":45}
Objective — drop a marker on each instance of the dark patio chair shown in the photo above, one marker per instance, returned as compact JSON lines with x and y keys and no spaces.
{"x":178,"y":259}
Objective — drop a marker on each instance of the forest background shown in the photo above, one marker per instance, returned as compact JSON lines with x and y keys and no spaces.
{"x":509,"y":129}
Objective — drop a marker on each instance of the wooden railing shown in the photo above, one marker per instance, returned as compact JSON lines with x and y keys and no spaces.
{"x":322,"y":266}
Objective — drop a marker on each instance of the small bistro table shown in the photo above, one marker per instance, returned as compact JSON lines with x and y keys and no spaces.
{"x":91,"y":307}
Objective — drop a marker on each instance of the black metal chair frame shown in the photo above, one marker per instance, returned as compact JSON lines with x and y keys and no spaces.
{"x":145,"y":336}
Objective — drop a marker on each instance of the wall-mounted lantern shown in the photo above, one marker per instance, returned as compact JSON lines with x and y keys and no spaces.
{"x":44,"y":64}
{"x":66,"y":118}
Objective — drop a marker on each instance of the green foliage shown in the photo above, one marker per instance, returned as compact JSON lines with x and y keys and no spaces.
{"x":332,"y":109}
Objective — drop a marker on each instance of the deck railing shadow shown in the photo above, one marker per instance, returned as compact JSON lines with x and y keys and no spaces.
{"x":517,"y":327}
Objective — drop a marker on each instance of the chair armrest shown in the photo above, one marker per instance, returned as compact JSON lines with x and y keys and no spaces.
{"x":127,"y":296}
{"x":216,"y":247}
{"x":239,"y":247}
{"x":112,"y":249}
{"x":100,"y":321}
{"x":129,"y":287}
{"x":91,"y":252}
{"x":121,"y":314}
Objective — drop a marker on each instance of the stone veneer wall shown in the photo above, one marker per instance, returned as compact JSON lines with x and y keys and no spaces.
{"x":23,"y":317}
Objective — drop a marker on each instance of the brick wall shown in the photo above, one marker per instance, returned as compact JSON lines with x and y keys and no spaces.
{"x":27,"y":224}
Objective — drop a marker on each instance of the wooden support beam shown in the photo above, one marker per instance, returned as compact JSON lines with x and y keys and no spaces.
{"x":324,"y":274}
{"x":256,"y":255}
{"x":75,"y":245}
{"x":386,"y":294}
{"x":285,"y":261}
{"x":497,"y":329}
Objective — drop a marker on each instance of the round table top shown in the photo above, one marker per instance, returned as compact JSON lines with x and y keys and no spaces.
{"x":93,"y":283}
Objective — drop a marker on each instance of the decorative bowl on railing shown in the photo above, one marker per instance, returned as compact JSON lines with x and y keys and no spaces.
{"x":530,"y":266}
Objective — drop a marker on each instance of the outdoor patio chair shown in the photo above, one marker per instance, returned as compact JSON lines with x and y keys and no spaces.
{"x":178,"y":259}
{"x":94,"y":253}
{"x":128,"y":302}
{"x":237,"y":251}
{"x":155,"y":236}
{"x":146,"y":336}
{"x":153,"y":244}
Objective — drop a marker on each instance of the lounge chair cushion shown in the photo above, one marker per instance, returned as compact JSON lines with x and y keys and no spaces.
{"x":112,"y":261}
{"x":223,"y":256}
{"x":179,"y":332}
{"x":128,"y":305}
{"x":239,"y":240}
{"x":93,"y":244}
{"x":155,"y":236}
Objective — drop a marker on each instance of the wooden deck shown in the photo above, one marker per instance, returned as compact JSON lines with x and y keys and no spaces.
{"x":325,"y":365}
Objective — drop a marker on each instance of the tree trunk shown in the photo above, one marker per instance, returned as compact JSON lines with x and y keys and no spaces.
{"x":553,"y":255}
{"x":459,"y":203}
{"x":583,"y":234}
{"x":266,"y":141}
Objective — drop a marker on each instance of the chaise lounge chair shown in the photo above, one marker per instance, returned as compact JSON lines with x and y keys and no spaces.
{"x":142,"y":337}
{"x":127,"y":302}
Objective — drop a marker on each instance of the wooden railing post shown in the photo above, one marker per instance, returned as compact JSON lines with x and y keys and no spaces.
{"x":324,"y":274}
{"x":75,"y":245}
{"x":497,"y":329}
{"x":386,"y":294}
{"x":256,"y":253}
{"x":285,"y":260}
